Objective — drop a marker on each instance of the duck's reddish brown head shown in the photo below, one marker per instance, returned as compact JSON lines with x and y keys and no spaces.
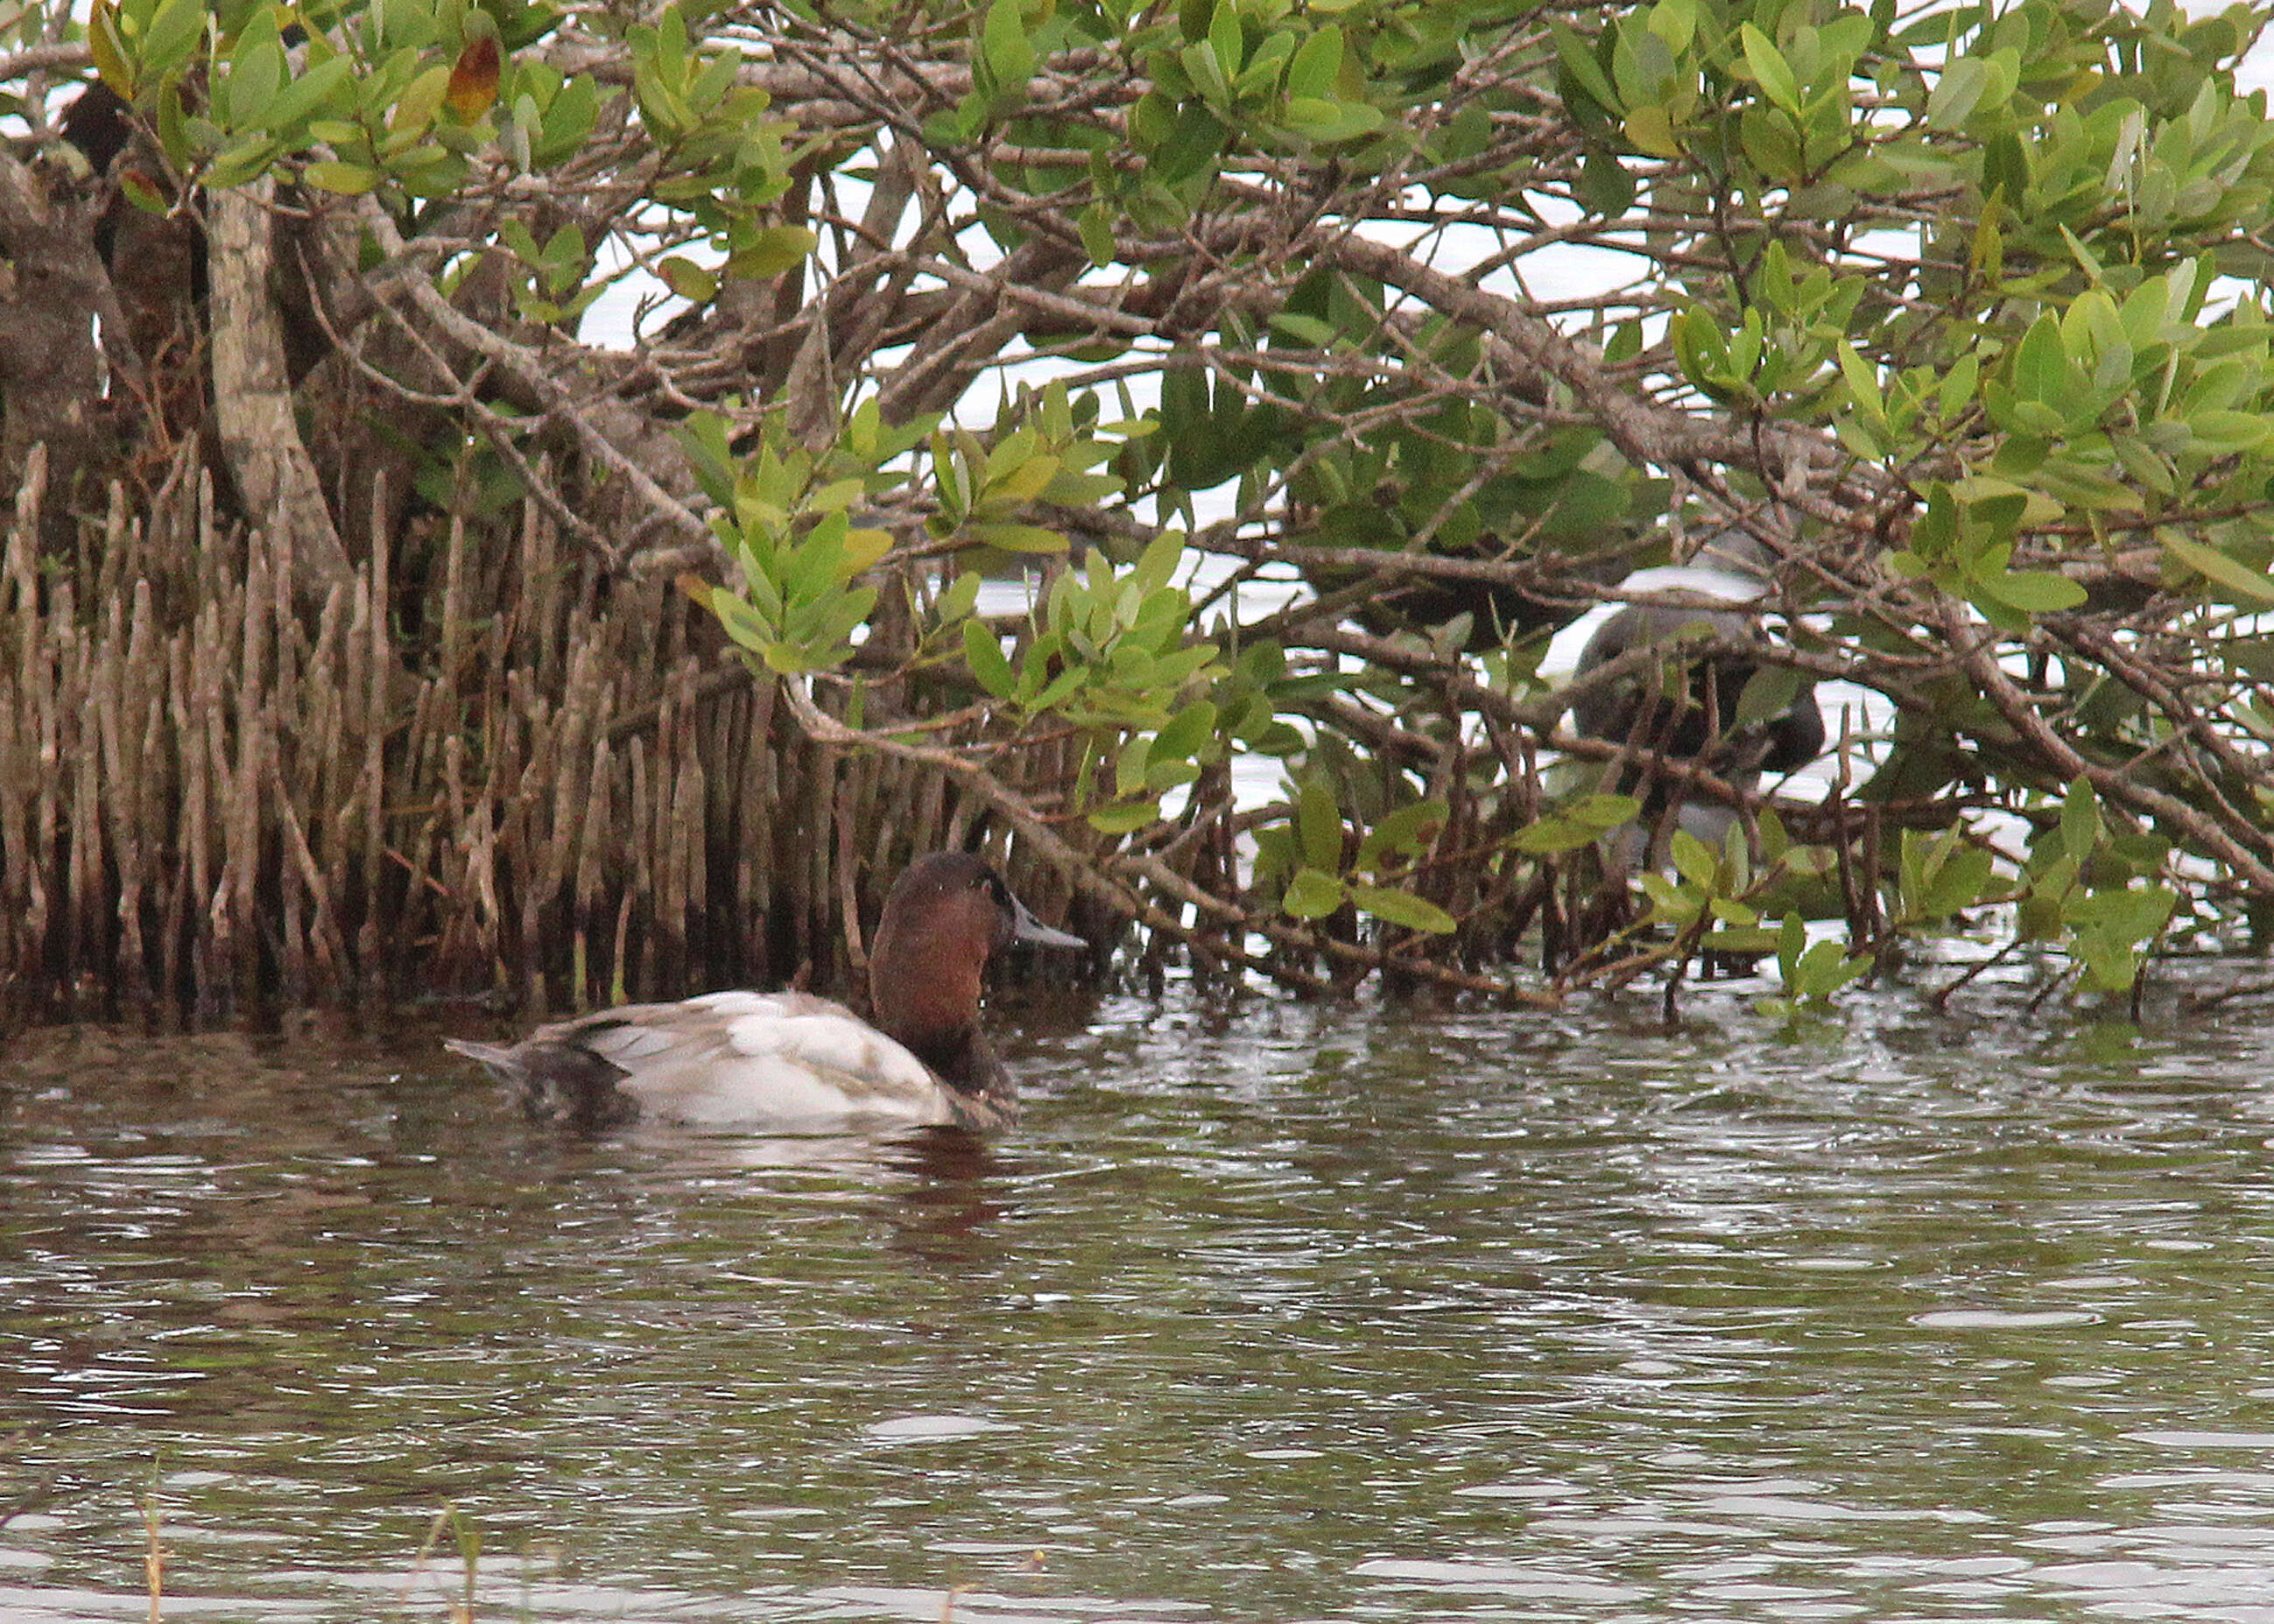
{"x":944,"y":919}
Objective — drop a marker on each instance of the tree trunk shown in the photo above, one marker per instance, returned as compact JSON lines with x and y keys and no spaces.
{"x":252,"y":397}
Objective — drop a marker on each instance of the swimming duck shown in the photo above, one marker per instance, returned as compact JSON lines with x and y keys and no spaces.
{"x":792,"y":1059}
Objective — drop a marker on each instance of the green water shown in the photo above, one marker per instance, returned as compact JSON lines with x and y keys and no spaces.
{"x":1287,"y":1314}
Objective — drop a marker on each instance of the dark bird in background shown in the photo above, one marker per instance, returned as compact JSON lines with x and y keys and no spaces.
{"x":1683,"y":711}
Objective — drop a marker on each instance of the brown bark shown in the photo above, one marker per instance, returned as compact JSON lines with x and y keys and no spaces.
{"x":52,"y":287}
{"x":276,"y":479}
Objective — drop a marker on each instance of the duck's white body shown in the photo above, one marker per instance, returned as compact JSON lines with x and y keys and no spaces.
{"x":731,"y":1059}
{"x":766,"y":1060}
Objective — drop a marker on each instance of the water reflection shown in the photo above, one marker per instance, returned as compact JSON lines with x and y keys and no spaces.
{"x":1284,"y":1313}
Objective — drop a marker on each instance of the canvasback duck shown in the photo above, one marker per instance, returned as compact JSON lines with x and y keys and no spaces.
{"x":792,"y":1059}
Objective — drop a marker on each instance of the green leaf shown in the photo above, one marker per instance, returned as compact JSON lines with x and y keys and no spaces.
{"x":1019,"y":478}
{"x":256,"y":70}
{"x":689,"y":280}
{"x":1958,"y":883}
{"x":2108,"y":967}
{"x":1227,"y":38}
{"x":564,"y":250}
{"x":1604,"y":184}
{"x":1578,"y":58}
{"x":828,"y":626}
{"x":112,"y":63}
{"x":1768,"y":693}
{"x":863,"y":548}
{"x":416,"y":107}
{"x":1862,"y":386}
{"x":1120,"y":820}
{"x":1095,"y":225}
{"x":1605,"y":812}
{"x":1405,"y":829}
{"x":2041,"y":368}
{"x":1199,"y":60}
{"x":1317,"y":119}
{"x":1187,"y":734}
{"x":1317,"y":64}
{"x":2132,"y":915}
{"x":1008,"y":47}
{"x":240,"y":163}
{"x":1670,"y":903}
{"x":773,"y":249}
{"x":2080,"y":820}
{"x":1549,"y":835}
{"x":2217,"y":567}
{"x":1957,"y":91}
{"x":305,"y":95}
{"x":1019,"y":537}
{"x":1313,"y":895}
{"x":1694,"y":861}
{"x":1792,"y":942}
{"x":171,"y":36}
{"x":1401,"y":907}
{"x":1319,"y":825}
{"x":2228,"y":433}
{"x":742,"y":619}
{"x":2037,"y":591}
{"x":1770,"y":70}
{"x":958,"y":597}
{"x":1579,"y":824}
{"x":1824,"y":969}
{"x":1158,"y":564}
{"x":569,"y":121}
{"x":1303,"y":329}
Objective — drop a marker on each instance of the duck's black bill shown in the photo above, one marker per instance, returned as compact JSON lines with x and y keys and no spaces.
{"x":1026,"y":928}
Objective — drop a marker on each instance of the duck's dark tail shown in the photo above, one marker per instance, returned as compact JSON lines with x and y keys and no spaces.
{"x":559,"y":1082}
{"x":503,"y":1063}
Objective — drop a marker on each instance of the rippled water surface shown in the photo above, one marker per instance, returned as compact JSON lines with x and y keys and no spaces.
{"x":1288,"y":1314}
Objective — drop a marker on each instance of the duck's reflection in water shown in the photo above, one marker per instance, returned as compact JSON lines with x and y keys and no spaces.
{"x":956,"y":1188}
{"x":944,"y":1184}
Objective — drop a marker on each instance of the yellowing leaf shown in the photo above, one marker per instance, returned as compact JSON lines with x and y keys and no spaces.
{"x":351,"y":180}
{"x":109,"y":50}
{"x":1651,"y":132}
{"x":473,"y":85}
{"x":864,"y":547}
